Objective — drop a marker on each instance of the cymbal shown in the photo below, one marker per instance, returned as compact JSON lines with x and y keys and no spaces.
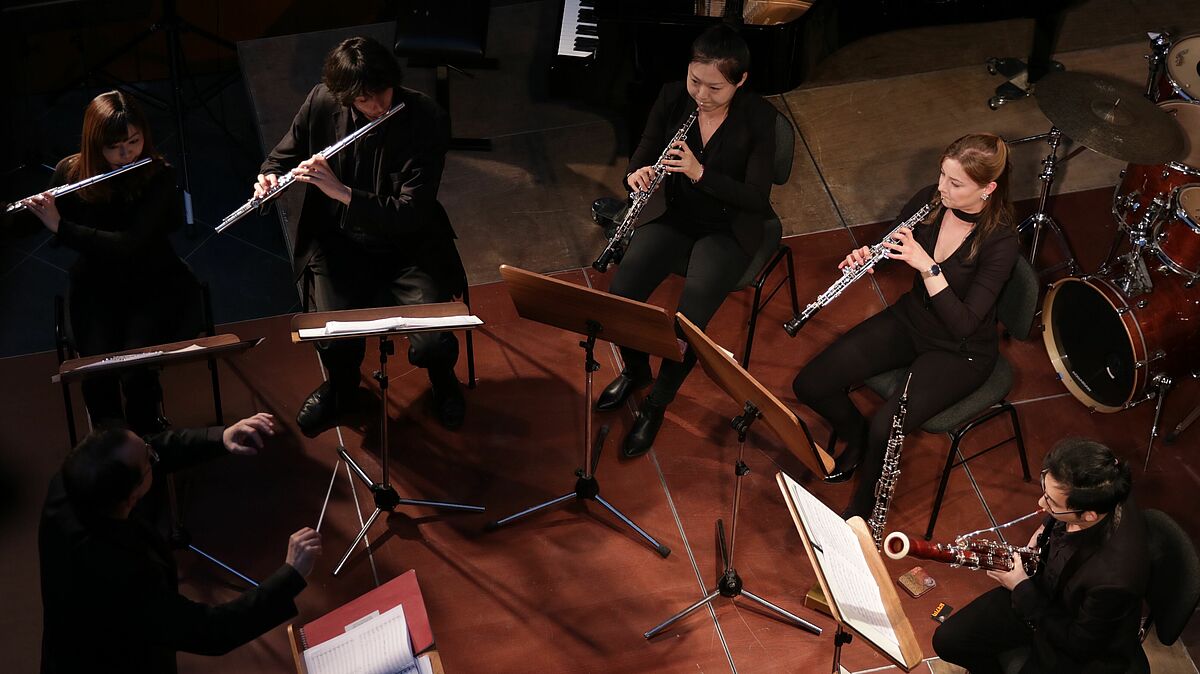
{"x":1110,"y":117}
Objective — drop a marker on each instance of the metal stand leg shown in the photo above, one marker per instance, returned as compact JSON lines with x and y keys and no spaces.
{"x":1040,"y":220}
{"x":840,"y":638}
{"x":730,"y":583}
{"x":1164,"y":386}
{"x":386,"y":498}
{"x":586,"y":486}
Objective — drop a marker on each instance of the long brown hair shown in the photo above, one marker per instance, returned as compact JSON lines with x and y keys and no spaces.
{"x":106,"y":121}
{"x":984,"y":158}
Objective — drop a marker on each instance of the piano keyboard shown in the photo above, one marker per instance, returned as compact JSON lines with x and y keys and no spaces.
{"x":577,"y":34}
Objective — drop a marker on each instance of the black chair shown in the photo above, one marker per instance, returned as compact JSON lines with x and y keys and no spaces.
{"x":64,"y":345}
{"x":446,"y":36}
{"x":1016,"y":307}
{"x":1172,"y":594}
{"x":771,"y":251}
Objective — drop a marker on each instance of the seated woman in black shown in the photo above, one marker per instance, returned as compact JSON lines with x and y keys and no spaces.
{"x":943,"y":330}
{"x":718,"y":195}
{"x":128,"y":287}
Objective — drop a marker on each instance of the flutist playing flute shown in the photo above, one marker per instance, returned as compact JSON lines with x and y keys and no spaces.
{"x":370,"y":231}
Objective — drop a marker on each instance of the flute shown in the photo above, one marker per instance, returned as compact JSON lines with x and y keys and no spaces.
{"x":57,"y":192}
{"x":286,"y":180}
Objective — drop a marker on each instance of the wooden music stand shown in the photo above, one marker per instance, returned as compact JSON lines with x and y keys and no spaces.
{"x":160,"y":356}
{"x":385,"y":496}
{"x":593,"y":314}
{"x":757,"y":403}
{"x":833,"y":569}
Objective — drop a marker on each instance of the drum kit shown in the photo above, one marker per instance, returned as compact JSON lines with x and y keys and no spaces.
{"x":1123,"y":335}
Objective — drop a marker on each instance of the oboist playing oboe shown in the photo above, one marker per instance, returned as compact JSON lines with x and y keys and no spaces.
{"x":943,"y":330}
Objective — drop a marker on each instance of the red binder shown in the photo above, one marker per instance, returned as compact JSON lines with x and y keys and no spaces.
{"x":402,"y":589}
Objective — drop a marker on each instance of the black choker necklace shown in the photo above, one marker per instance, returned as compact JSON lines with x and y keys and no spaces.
{"x":967,"y":217}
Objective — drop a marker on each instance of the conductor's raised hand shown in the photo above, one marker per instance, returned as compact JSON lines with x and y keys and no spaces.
{"x":857,"y":257}
{"x":317,"y":172}
{"x":681,"y":160}
{"x":264,"y":183}
{"x":247,"y":436}
{"x":639,"y":180}
{"x":304,"y":547}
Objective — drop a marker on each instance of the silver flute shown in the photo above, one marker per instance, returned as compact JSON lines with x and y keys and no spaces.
{"x":852,"y":273}
{"x":885,"y":488}
{"x":86,"y":182}
{"x":619,"y":242}
{"x":286,"y":180}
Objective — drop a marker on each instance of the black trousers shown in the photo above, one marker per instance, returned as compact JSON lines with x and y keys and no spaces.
{"x":713,"y":262}
{"x":972,"y":637}
{"x":108,"y":315}
{"x":881,"y":343}
{"x":338,"y":280}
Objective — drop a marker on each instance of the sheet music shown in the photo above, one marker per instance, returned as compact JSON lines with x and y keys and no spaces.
{"x":376,"y":646}
{"x":846,"y":571}
{"x":138,"y":356}
{"x":384,"y":324}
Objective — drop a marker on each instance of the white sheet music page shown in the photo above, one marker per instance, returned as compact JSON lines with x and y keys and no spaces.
{"x":376,"y":646}
{"x":847,"y":574}
{"x":384,"y":324}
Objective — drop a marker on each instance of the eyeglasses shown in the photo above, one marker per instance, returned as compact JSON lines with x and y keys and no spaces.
{"x":1046,"y":496}
{"x":152,"y":459}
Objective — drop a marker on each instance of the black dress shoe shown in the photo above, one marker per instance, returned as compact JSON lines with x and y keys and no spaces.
{"x":645,"y":428}
{"x":618,"y":391}
{"x":319,"y":411}
{"x":449,"y":404}
{"x":844,"y":467}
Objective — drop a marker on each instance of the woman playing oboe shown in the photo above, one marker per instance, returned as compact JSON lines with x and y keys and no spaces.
{"x":718,"y":195}
{"x":943,"y":330}
{"x":128,"y":287}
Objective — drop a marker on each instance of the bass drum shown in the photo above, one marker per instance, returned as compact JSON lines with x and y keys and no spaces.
{"x":1107,"y":347}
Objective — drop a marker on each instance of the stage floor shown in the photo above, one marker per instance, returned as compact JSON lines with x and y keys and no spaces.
{"x":570,"y":590}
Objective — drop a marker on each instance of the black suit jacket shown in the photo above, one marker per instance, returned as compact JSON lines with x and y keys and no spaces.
{"x":110,"y":593}
{"x":738,"y":163}
{"x":394,"y":174}
{"x":1090,"y":624}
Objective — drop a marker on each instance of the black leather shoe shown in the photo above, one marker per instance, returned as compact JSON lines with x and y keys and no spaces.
{"x":843,"y":469}
{"x":449,"y":404}
{"x":319,"y":411}
{"x":618,"y":391}
{"x":645,"y":428}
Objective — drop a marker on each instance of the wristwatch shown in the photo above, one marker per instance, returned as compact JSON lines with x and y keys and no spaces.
{"x":935,"y":270}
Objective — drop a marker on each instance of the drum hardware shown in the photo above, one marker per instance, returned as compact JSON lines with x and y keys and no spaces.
{"x":1164,"y":385}
{"x":1136,"y":279}
{"x":1186,"y":422}
{"x":1160,"y":44}
{"x":1173,"y":68}
{"x":1039,"y":219}
{"x":1158,"y":355}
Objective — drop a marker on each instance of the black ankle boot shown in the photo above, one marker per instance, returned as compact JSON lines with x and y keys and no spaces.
{"x":641,"y":436}
{"x":449,"y":405}
{"x":617,"y":392}
{"x":321,"y":409}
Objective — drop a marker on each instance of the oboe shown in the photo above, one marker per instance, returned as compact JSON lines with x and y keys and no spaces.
{"x":885,"y":488}
{"x":852,"y":273}
{"x":287,"y":179}
{"x":86,"y":182}
{"x":967,"y":551}
{"x":619,"y":242}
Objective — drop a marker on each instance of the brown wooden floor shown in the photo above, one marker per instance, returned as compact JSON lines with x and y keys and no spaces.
{"x":569,"y":590}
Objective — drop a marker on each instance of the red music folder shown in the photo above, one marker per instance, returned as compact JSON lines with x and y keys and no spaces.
{"x":402,"y":589}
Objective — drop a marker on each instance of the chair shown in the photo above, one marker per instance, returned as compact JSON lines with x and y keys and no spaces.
{"x":1172,"y":593}
{"x":1015,"y":309}
{"x":770,"y":252}
{"x":64,"y":345}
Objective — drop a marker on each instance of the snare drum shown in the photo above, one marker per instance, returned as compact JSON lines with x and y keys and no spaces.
{"x":1141,"y":184}
{"x":1177,"y":239}
{"x":1180,"y":78}
{"x":1107,"y":347}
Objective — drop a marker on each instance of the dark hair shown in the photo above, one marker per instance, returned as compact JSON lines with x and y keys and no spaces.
{"x":1094,"y":477}
{"x":106,"y":121}
{"x":96,"y":479}
{"x":984,"y":158}
{"x":359,"y":66}
{"x":723,"y":47}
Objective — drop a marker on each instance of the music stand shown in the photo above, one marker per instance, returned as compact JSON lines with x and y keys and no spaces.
{"x":590,"y":313}
{"x":384,"y":494}
{"x":757,"y":403}
{"x":160,"y":356}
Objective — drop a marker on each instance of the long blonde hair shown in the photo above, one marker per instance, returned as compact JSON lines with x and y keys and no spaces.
{"x":984,"y":157}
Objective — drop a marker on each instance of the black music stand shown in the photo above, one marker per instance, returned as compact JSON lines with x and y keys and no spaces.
{"x":385,"y":496}
{"x":590,"y":313}
{"x":160,"y":356}
{"x":757,"y":403}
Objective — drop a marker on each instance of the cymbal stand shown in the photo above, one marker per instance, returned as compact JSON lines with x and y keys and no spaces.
{"x":386,"y":498}
{"x":1162,"y":385}
{"x":1160,"y":44}
{"x":586,"y":486}
{"x":730,"y":583}
{"x":1040,"y":219}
